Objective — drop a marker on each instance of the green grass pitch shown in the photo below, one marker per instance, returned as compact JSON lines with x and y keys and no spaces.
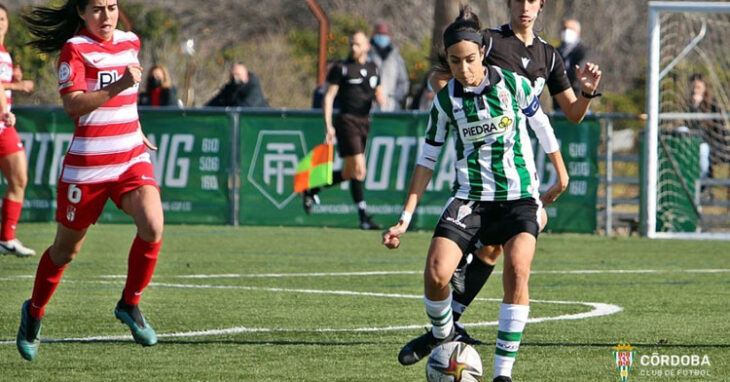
{"x":314,"y":304}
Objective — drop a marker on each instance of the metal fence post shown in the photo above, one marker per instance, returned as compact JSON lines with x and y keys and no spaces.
{"x":609,"y":177}
{"x":234,"y":178}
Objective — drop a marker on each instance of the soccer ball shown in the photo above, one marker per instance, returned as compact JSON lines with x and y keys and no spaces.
{"x":454,"y":362}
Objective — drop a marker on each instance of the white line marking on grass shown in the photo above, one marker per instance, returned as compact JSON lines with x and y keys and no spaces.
{"x":383,"y":273}
{"x":597,"y":271}
{"x":707,"y":270}
{"x":317,"y":274}
{"x":598,"y":309}
{"x":16,"y":278}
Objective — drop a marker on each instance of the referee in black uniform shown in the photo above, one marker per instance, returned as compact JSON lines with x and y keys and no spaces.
{"x":356,"y":83}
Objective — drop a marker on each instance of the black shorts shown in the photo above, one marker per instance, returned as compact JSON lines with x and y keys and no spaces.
{"x":352,"y":132}
{"x":471,"y":224}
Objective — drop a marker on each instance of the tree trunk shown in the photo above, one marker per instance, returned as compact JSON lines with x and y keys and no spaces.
{"x":445,"y":12}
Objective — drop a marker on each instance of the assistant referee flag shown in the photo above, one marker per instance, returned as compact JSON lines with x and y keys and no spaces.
{"x":315,"y":169}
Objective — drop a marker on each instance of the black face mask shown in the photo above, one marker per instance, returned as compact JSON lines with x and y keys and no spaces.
{"x":155,"y":82}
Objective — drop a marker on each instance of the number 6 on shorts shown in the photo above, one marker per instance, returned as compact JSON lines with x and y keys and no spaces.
{"x":74,"y":194}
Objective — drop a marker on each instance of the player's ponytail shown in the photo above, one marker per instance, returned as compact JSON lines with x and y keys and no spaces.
{"x":466,"y":27}
{"x":53,"y":26}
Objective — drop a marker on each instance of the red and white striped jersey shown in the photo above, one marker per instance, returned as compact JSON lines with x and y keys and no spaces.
{"x":6,"y":75}
{"x":108,"y":140}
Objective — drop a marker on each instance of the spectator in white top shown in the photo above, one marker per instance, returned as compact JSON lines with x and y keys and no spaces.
{"x":391,"y":66}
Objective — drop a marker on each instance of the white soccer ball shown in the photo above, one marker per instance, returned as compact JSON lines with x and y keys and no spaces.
{"x":454,"y":362}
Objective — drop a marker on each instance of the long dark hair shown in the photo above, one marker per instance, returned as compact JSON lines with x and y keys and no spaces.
{"x":53,"y":26}
{"x":468,"y":22}
{"x":705,"y":105}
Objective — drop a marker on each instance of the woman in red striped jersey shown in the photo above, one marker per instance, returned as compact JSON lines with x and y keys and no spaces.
{"x":13,"y":163}
{"x":98,"y":77}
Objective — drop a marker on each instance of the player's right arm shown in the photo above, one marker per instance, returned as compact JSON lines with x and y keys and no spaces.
{"x":80,"y":103}
{"x":18,"y":83}
{"x":327,"y":106}
{"x":436,"y":134}
{"x":77,"y":99}
{"x":421,"y":176}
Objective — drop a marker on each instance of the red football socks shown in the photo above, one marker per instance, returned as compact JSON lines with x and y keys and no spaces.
{"x":47,"y":278}
{"x":10,"y":214}
{"x":141,"y":265}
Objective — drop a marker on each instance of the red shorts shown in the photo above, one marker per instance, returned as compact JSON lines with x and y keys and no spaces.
{"x":80,"y":205}
{"x":10,"y":142}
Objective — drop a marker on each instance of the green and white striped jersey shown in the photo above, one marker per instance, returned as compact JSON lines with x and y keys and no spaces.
{"x":493,"y":150}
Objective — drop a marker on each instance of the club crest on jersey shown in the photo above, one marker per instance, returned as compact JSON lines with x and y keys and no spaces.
{"x":505,"y":98}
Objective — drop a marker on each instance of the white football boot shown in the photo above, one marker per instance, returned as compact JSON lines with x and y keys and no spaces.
{"x":15,"y":247}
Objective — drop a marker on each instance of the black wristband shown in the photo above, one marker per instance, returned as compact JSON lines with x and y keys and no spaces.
{"x":589,"y":96}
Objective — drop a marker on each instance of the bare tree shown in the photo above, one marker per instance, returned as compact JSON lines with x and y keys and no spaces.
{"x":615,"y":30}
{"x":444,"y":13}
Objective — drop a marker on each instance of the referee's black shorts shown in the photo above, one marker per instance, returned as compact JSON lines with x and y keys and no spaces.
{"x":352,"y":133}
{"x":471,"y":224}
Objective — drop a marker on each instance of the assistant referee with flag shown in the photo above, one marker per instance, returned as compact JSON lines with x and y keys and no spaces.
{"x":355,"y":82}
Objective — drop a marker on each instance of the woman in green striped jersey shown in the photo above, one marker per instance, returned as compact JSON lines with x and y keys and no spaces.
{"x":516,"y":47}
{"x":495,"y":195}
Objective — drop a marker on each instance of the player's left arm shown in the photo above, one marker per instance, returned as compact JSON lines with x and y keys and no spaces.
{"x":145,"y":140}
{"x":558,"y":188}
{"x":380,"y":96}
{"x":540,"y":124}
{"x":7,"y":117}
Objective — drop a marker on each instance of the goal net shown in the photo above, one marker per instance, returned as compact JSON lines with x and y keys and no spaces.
{"x":685,"y":172}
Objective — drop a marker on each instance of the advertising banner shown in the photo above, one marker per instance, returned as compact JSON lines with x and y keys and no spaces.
{"x":208,"y":159}
{"x":271,"y":145}
{"x":192,"y":163}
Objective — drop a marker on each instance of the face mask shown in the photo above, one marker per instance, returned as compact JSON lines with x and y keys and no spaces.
{"x":155,"y":82}
{"x":569,"y":37}
{"x":381,"y":40}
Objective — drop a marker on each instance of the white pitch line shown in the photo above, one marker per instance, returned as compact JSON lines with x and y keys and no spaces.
{"x":317,"y":274}
{"x":382,"y":273}
{"x":599,"y":309}
{"x":707,"y":270}
{"x":385,"y":273}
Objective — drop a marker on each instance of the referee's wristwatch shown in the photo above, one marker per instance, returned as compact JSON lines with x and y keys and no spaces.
{"x":590,"y":95}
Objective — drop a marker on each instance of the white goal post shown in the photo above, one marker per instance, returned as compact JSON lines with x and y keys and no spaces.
{"x":691,"y":38}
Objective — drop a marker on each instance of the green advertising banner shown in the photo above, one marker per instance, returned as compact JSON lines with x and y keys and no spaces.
{"x":200,"y":150}
{"x":575,"y":210}
{"x":192,"y":163}
{"x":272,"y":143}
